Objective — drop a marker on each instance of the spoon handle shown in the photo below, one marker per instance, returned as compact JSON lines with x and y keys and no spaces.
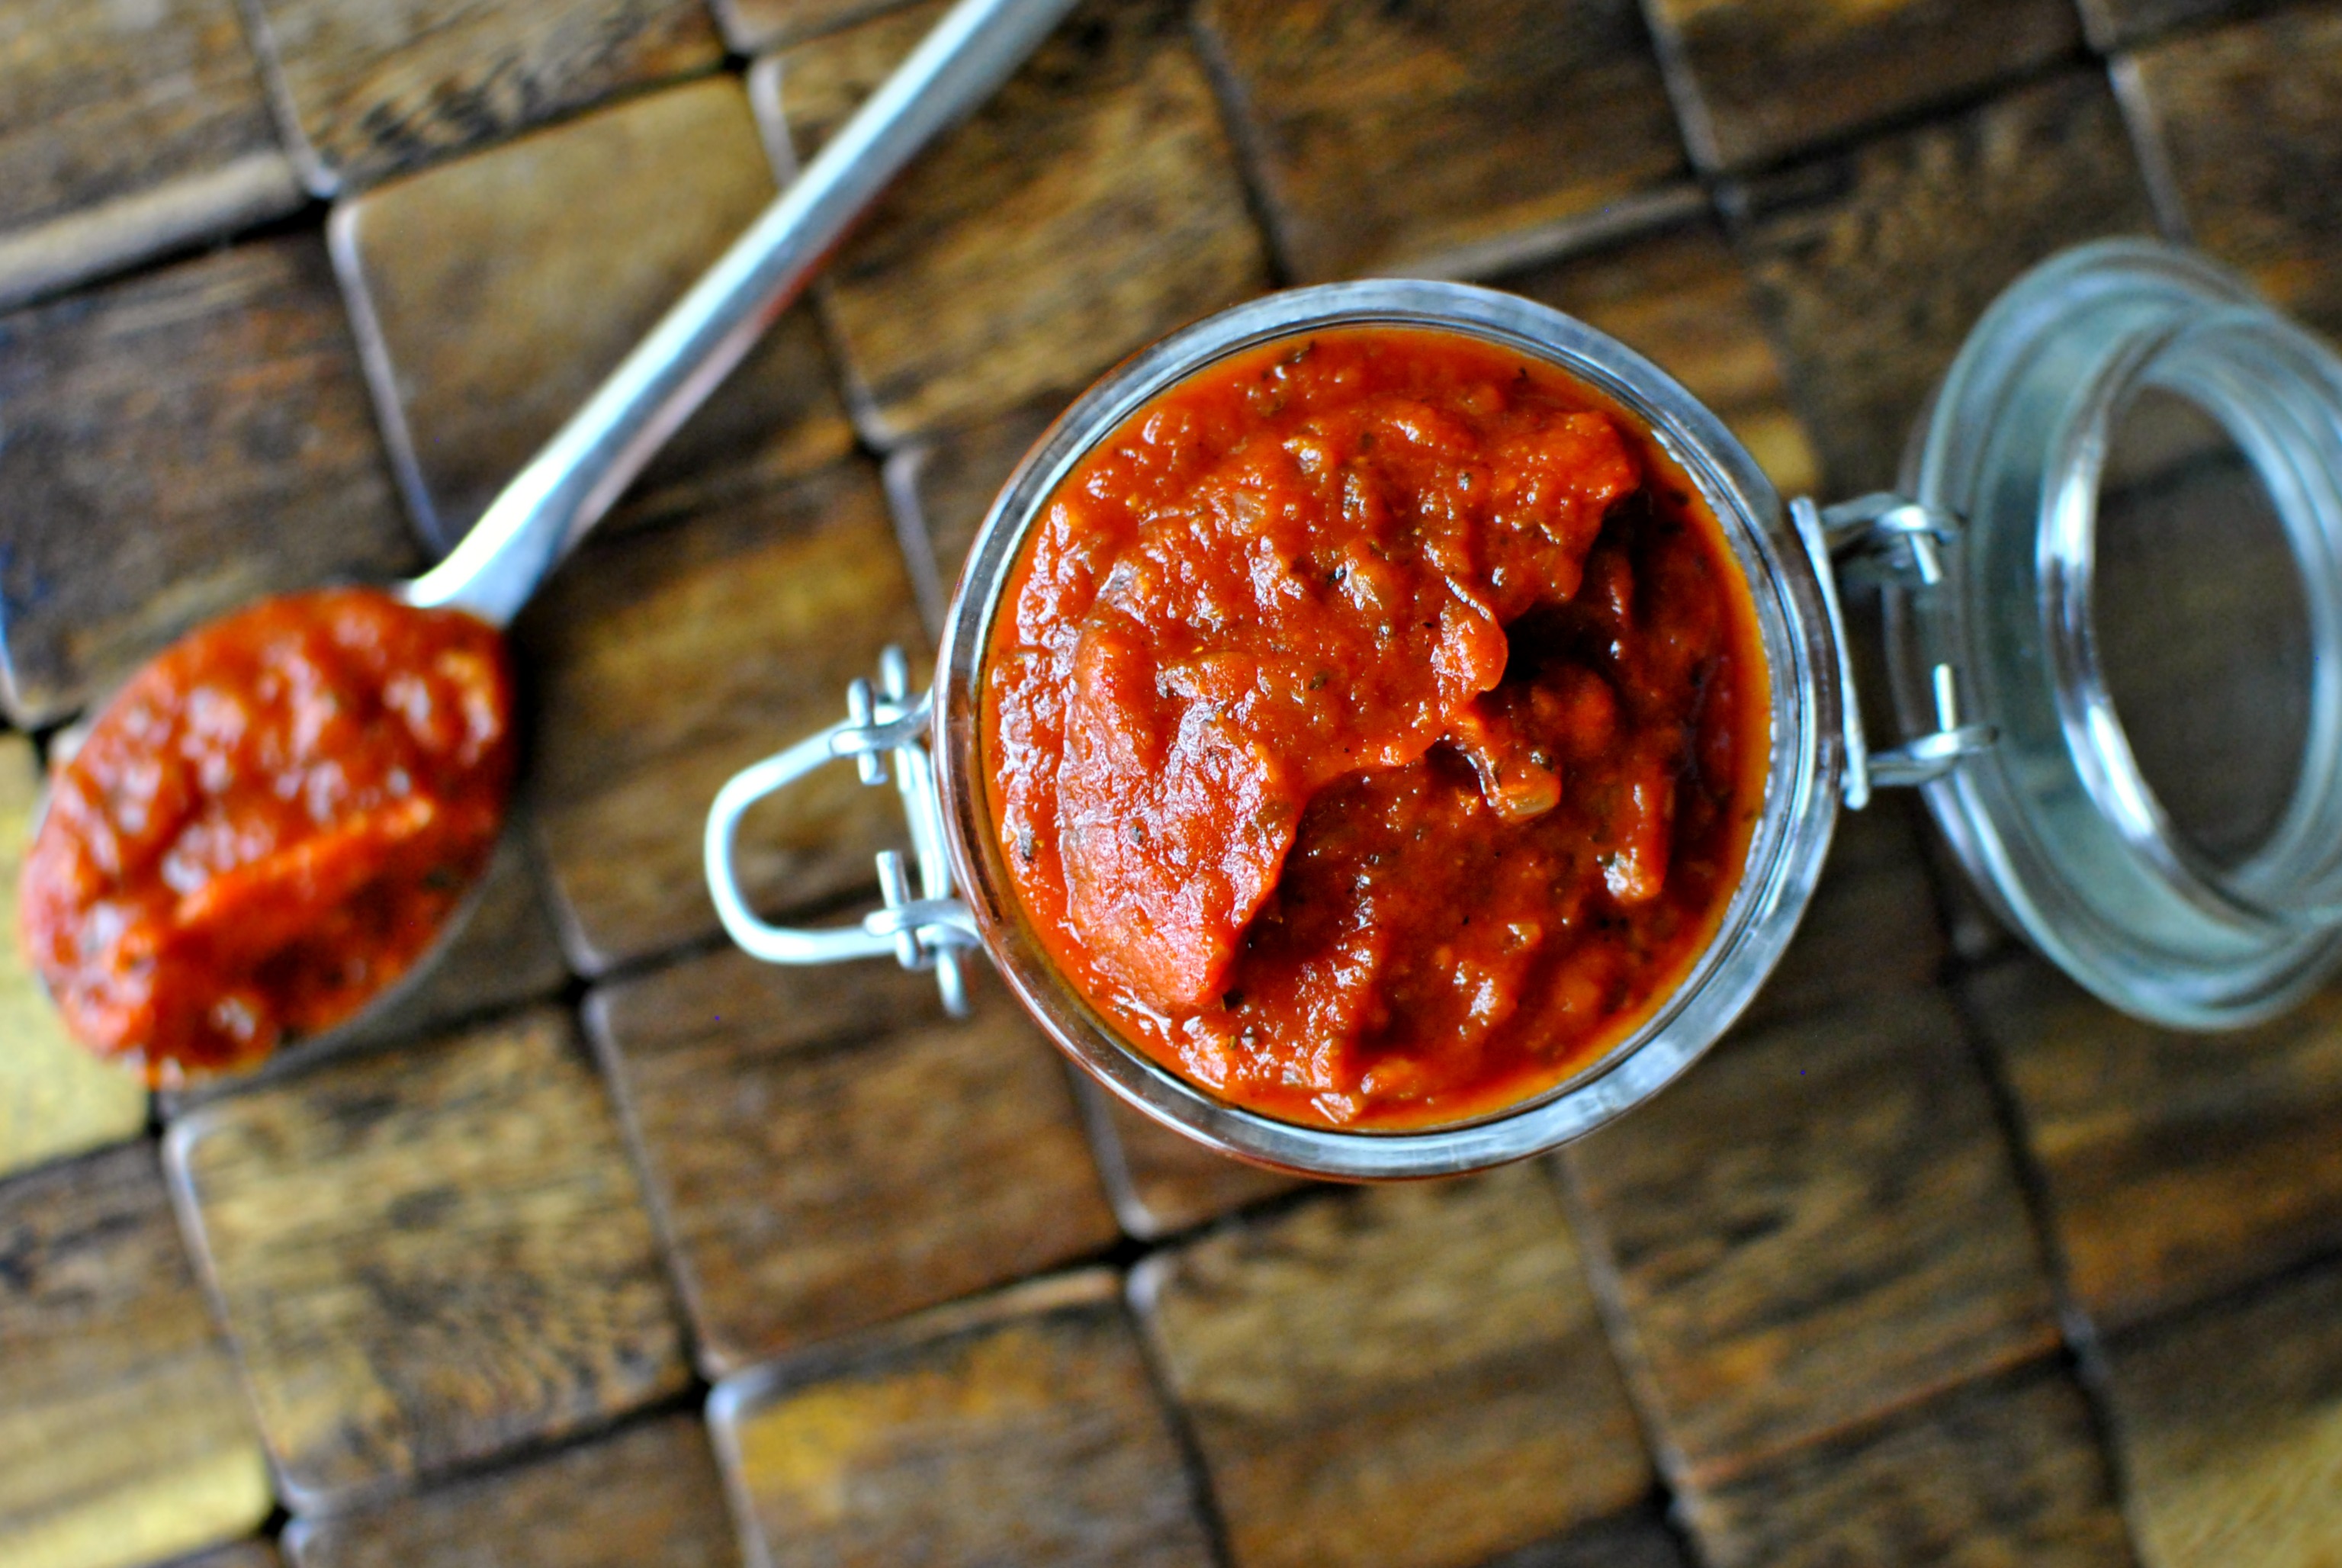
{"x":566,"y":487}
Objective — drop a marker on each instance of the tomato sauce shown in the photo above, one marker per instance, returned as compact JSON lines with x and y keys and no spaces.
{"x":1375,"y":727}
{"x":267,"y":825}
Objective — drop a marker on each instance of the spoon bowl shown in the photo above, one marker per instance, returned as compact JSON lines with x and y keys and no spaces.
{"x":562,"y":493}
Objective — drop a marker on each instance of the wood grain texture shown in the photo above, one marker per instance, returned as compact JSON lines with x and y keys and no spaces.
{"x":372,"y":88}
{"x":1431,"y":135}
{"x":427,"y":1256}
{"x":2002,"y":1471}
{"x":1021,"y":1430}
{"x":1408,"y":1376}
{"x":1162,"y":1182}
{"x":1091,"y":206}
{"x":826,"y":1150}
{"x":667,"y":659}
{"x":647,"y":1496}
{"x":492,"y":300}
{"x":123,"y":1437}
{"x":2113,"y":25}
{"x":753,"y":27}
{"x":2228,"y":1424}
{"x":1972,"y":926}
{"x":1872,"y":928}
{"x":106,"y":101}
{"x":942,"y":487}
{"x":127,"y":130}
{"x":1760,"y":79}
{"x":1681,"y":297}
{"x":1873,"y":265}
{"x":56,"y":1099}
{"x":178,"y":445}
{"x":1636,"y":1540}
{"x":1818,"y":1225}
{"x":2249,"y":121}
{"x":260,"y":1551}
{"x":2174,"y":1166}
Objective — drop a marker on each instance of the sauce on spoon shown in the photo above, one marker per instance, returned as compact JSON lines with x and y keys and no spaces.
{"x":275,"y":819}
{"x":267,"y":825}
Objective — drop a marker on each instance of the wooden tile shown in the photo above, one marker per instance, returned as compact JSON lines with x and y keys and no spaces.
{"x":2118,"y":24}
{"x":1759,"y":79}
{"x":1397,"y":1376}
{"x":1021,"y":1430}
{"x":2249,"y":121}
{"x":427,"y":1256}
{"x":1874,"y":265}
{"x":1160,"y":1181}
{"x":753,"y":27}
{"x":2003,"y":1471}
{"x":2228,"y":1425}
{"x":1681,"y":297}
{"x":177,"y":444}
{"x":123,"y":1435}
{"x":1820,"y":1225}
{"x":1971,"y":925}
{"x":826,"y":1150}
{"x":1092,"y":206}
{"x":1637,"y":1540}
{"x":1895,"y":905}
{"x":943,"y":486}
{"x":56,"y":1099}
{"x":492,"y":302}
{"x":1440,"y":135}
{"x":372,"y":88}
{"x":2174,"y":1166}
{"x":1873,"y":928}
{"x":668,"y":659}
{"x":260,"y":1551}
{"x":645,"y":1497}
{"x":130,"y":130}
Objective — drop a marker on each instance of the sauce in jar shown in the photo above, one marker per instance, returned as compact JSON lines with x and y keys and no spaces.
{"x":267,"y":825}
{"x":1375,"y":725}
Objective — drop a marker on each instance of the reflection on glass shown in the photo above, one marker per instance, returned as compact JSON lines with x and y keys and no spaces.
{"x":2201,"y":627}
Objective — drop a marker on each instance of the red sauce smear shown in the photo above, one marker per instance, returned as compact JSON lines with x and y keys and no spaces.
{"x":1375,"y":724}
{"x":267,"y":825}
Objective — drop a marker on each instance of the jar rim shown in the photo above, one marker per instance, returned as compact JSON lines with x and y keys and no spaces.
{"x":1787,"y":847}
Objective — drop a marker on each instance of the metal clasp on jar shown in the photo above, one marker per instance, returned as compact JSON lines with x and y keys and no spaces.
{"x":923,"y":932}
{"x":1884,"y":537}
{"x":1881,"y":537}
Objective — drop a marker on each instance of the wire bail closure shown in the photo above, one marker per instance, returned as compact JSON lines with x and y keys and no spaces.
{"x":1885,"y":538}
{"x":929,"y":931}
{"x":1881,"y":537}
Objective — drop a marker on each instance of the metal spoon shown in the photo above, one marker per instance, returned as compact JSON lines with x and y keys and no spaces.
{"x":566,"y":489}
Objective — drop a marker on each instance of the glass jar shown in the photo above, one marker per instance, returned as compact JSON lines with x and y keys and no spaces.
{"x":2055,"y":822}
{"x":1984,"y":561}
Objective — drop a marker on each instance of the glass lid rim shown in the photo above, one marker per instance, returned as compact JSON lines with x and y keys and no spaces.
{"x":2146,"y":295}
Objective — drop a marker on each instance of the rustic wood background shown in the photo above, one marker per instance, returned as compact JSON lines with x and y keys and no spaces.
{"x":619,"y":1249}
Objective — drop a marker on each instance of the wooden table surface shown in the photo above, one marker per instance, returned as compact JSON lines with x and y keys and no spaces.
{"x":620,"y":1249}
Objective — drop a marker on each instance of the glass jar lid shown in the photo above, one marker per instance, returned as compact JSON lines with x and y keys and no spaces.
{"x":2056,"y":820}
